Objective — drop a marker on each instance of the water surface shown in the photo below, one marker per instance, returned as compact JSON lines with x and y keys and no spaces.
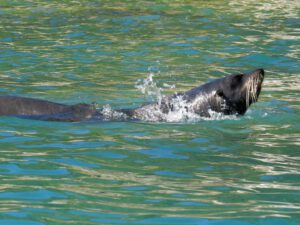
{"x":224,"y":171}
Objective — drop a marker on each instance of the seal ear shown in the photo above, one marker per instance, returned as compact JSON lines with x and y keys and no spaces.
{"x":220,"y":93}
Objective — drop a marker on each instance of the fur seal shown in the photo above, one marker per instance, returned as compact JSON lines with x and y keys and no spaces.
{"x":230,"y":95}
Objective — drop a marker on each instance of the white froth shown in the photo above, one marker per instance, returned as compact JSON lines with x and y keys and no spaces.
{"x":110,"y":114}
{"x":149,"y":87}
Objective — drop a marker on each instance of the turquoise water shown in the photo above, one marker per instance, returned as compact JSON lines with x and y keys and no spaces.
{"x":224,"y":171}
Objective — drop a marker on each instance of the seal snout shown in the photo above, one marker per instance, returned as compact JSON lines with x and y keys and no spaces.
{"x":257,"y":75}
{"x":261,"y":72}
{"x":258,"y":72}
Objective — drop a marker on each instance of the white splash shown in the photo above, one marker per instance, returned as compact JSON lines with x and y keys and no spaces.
{"x":148,"y":87}
{"x":179,"y":112}
{"x":109,"y":114}
{"x":219,"y":116}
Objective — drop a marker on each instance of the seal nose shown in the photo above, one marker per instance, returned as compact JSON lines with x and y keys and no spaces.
{"x":258,"y":72}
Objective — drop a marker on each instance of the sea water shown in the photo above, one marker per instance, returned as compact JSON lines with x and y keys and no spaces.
{"x":236,"y":170}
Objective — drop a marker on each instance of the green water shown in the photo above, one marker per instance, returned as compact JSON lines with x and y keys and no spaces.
{"x":230,"y":171}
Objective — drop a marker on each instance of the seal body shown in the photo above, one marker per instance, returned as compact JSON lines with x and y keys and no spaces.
{"x":230,"y":95}
{"x":45,"y":110}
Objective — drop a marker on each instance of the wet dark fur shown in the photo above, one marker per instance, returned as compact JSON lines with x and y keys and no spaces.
{"x":226,"y":95}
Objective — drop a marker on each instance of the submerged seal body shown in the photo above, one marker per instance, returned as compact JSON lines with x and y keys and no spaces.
{"x":45,"y":110}
{"x":230,"y":95}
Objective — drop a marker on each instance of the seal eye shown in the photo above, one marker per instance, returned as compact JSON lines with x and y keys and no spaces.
{"x":239,"y":77}
{"x":236,"y":81}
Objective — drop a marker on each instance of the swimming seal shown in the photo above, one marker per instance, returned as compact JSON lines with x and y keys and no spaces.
{"x":230,"y":95}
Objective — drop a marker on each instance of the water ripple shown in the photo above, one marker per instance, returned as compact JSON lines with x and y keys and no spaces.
{"x":232,"y":171}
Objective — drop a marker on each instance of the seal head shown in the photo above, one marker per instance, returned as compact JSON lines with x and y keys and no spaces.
{"x":230,"y":95}
{"x":238,"y":92}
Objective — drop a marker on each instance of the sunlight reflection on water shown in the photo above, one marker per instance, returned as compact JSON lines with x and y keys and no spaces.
{"x":229,"y":171}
